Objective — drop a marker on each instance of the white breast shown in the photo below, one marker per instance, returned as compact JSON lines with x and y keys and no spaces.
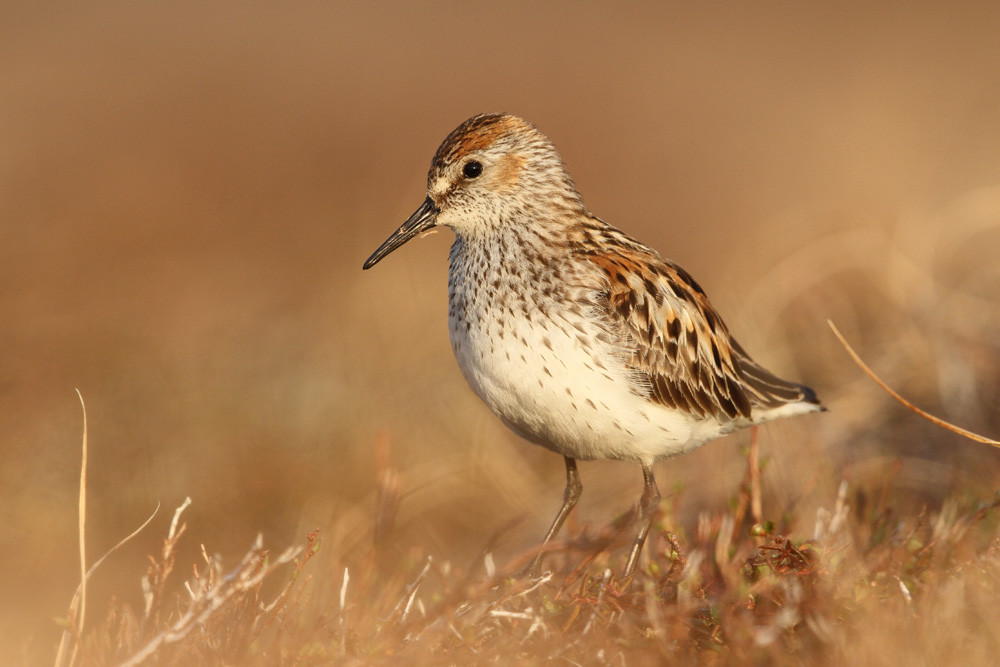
{"x":545,"y":373}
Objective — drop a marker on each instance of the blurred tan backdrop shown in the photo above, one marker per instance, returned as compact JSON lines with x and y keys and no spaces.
{"x":187,"y":193}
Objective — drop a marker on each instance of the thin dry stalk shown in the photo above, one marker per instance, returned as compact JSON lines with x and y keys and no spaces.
{"x":93,"y":568}
{"x":75,"y":630}
{"x":282,"y":600}
{"x":926,"y":415}
{"x":82,"y":513}
{"x":343,"y":612}
{"x":78,"y":605}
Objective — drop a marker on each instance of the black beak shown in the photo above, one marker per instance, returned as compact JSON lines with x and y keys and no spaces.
{"x":422,"y":219}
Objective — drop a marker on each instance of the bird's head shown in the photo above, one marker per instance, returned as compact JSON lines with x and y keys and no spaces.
{"x":493,"y":170}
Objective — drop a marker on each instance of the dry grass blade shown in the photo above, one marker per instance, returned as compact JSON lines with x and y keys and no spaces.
{"x":82,"y":511}
{"x":123,"y":541}
{"x":78,"y":604}
{"x":926,"y":415}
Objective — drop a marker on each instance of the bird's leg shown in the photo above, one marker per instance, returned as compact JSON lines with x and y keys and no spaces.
{"x":647,"y":513}
{"x":573,"y":490}
{"x":749,"y":498}
{"x":753,"y":464}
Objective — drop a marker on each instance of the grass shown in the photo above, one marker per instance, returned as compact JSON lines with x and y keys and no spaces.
{"x":866,"y":585}
{"x":864,"y":581}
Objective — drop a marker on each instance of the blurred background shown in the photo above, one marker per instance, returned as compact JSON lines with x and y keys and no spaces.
{"x":188,"y":191}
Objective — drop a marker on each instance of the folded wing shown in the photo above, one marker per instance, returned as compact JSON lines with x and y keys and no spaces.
{"x":681,"y":352}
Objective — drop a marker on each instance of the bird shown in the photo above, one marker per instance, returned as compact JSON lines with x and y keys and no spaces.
{"x":578,"y":337}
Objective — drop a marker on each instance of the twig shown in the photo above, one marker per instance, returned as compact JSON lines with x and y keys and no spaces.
{"x":158,"y":571}
{"x":177,"y":516}
{"x":412,"y":592}
{"x":926,"y":415}
{"x":254,"y":567}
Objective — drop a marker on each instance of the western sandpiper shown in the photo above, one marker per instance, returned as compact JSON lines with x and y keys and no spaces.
{"x":580,"y":338}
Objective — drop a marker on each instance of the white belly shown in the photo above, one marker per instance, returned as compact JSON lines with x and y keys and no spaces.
{"x":558,"y":386}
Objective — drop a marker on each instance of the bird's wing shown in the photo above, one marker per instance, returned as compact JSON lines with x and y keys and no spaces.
{"x":679,"y":349}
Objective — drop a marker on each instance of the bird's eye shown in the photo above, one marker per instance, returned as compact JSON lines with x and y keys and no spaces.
{"x":472,"y":169}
